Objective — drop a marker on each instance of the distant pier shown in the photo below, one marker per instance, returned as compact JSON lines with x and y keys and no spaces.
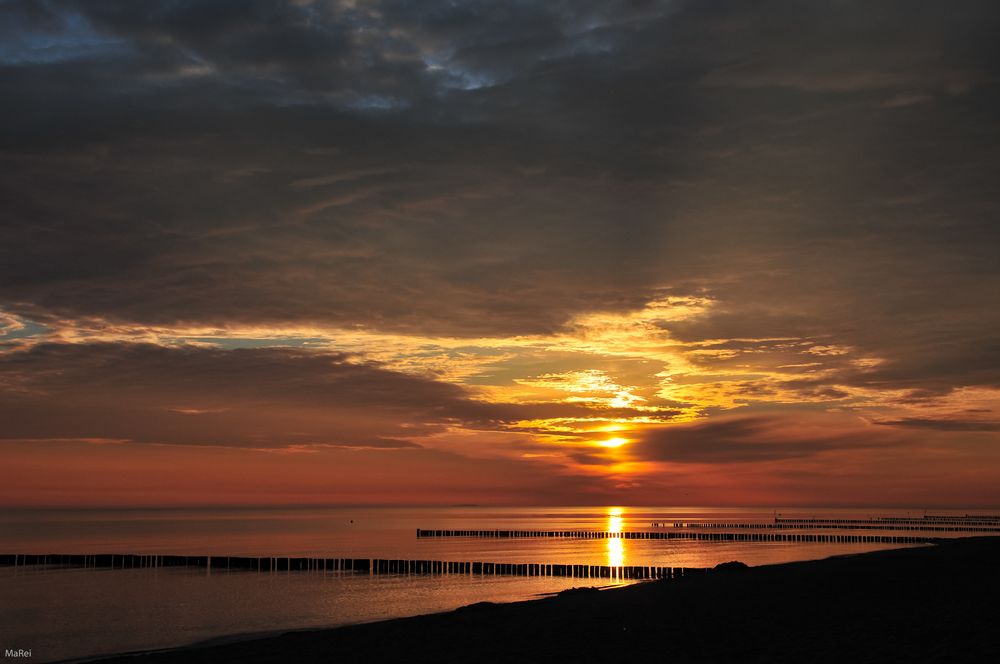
{"x":370,"y":566}
{"x":844,"y":524}
{"x":966,"y":523}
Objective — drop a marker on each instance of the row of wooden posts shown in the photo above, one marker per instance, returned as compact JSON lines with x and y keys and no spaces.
{"x":354,"y":565}
{"x":816,"y":525}
{"x":832,"y":538}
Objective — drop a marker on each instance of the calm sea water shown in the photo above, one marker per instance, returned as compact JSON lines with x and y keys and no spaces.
{"x":73,"y":613}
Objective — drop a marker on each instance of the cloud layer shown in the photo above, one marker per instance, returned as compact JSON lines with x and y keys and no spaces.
{"x":459,"y":213}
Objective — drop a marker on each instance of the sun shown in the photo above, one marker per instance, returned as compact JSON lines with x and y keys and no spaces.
{"x":613,"y":442}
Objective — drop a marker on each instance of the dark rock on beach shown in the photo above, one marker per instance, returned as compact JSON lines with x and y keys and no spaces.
{"x":731,"y":566}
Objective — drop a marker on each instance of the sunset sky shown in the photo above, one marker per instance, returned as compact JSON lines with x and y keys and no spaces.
{"x":694,"y":252}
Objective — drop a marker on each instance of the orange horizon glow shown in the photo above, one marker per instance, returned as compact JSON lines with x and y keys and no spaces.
{"x":665,"y":427}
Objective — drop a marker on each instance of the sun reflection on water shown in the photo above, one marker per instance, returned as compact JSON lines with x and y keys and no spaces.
{"x":615,"y":519}
{"x":616,"y":545}
{"x":616,"y":552}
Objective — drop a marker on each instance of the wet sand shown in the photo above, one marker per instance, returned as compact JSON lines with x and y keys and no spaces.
{"x":928,"y":604}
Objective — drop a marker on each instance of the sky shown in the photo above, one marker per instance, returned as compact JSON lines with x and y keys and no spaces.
{"x":627,"y":252}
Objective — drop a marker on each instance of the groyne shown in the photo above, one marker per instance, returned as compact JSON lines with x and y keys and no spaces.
{"x":370,"y":566}
{"x":831,"y":538}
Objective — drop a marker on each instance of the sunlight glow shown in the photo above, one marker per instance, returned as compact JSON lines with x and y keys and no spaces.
{"x":616,"y":546}
{"x":616,"y":552}
{"x":613,"y":442}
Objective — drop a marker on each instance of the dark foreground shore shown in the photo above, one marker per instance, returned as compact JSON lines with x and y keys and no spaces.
{"x":929,"y":604}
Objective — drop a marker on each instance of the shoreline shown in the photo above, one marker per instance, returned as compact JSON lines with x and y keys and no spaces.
{"x":242,"y":637}
{"x":914,"y":604}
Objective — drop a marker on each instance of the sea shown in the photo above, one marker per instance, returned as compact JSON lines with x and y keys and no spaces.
{"x":70,"y":613}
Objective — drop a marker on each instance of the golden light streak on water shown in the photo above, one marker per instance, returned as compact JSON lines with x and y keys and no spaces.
{"x":616,"y":545}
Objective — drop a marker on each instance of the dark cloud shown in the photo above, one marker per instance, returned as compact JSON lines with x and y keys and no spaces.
{"x":263,"y":397}
{"x":943,"y":424}
{"x":744,"y":324}
{"x":751,"y":439}
{"x":244,"y":398}
{"x":822,"y":171}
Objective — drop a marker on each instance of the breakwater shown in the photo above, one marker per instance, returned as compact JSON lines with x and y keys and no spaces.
{"x":370,"y":566}
{"x":682,"y":534}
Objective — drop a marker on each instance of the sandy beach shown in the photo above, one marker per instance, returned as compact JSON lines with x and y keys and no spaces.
{"x":929,"y":604}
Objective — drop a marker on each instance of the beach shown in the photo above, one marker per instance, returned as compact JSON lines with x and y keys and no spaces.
{"x":926,"y":604}
{"x":170,"y":578}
